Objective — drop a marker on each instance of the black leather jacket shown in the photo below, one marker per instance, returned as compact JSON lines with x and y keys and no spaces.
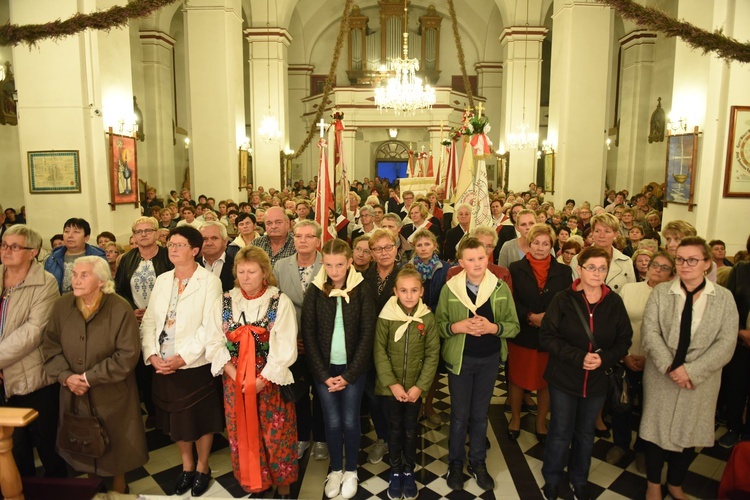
{"x":129,"y":263}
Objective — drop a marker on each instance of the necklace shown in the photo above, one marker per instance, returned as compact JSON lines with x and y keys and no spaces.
{"x":254,"y":296}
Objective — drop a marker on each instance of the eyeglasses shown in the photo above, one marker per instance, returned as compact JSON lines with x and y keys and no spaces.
{"x":692,"y":261}
{"x":304,"y":237}
{"x":363,"y":251}
{"x":15,"y":247}
{"x":594,"y":269}
{"x":386,"y":248}
{"x":139,"y":232}
{"x":662,"y":267}
{"x":178,"y":245}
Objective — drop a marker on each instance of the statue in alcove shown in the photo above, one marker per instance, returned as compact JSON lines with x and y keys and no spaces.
{"x":139,"y":119}
{"x":8,"y":109}
{"x":658,"y":124}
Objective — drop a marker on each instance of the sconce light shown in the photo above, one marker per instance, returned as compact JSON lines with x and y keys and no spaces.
{"x":609,"y":143}
{"x":187,"y":142}
{"x":500,"y":151}
{"x":288,"y":151}
{"x":393,"y":133}
{"x":2,"y":72}
{"x":245,"y":146}
{"x":677,"y":123}
{"x":547,"y":147}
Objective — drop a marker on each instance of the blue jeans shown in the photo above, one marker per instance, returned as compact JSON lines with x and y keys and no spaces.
{"x":572,"y":424}
{"x":341,"y":417}
{"x":471,"y":393}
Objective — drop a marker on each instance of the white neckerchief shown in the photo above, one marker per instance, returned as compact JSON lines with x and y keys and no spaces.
{"x":393,"y":312}
{"x":352,"y":280}
{"x":457,"y":285}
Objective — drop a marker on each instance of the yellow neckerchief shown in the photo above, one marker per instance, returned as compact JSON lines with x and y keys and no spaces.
{"x":352,"y":280}
{"x":85,"y":310}
{"x":393,"y":312}
{"x":457,"y":285}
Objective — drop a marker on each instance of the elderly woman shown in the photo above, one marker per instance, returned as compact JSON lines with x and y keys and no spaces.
{"x":635,"y":296}
{"x":361,"y":255}
{"x":454,"y":235}
{"x":517,"y":249}
{"x":420,"y":219}
{"x":182,"y":339}
{"x":580,"y":353}
{"x":261,"y":329}
{"x":27,"y":294}
{"x":563,"y":233}
{"x":641,"y":259}
{"x":245,"y":223}
{"x":91,"y":347}
{"x":536,"y":279}
{"x":689,"y":333}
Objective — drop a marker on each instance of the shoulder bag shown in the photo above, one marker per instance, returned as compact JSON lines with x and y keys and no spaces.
{"x":83,"y":435}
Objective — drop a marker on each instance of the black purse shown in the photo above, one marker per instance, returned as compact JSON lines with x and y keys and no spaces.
{"x":618,"y":394}
{"x":298,"y":389}
{"x":83,"y":435}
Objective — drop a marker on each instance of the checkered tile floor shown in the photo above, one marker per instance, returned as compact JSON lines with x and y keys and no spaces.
{"x":516,"y":466}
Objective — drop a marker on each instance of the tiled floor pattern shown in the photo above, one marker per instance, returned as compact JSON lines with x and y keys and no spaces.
{"x":516,"y":466}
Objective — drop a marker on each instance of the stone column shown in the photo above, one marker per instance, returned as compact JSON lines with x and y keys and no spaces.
{"x":581,"y":58}
{"x":636,"y":105}
{"x":490,"y":85}
{"x":213,"y":39}
{"x":268,"y":94}
{"x":521,"y":90}
{"x":70,"y":91}
{"x":299,"y":88}
{"x":158,"y":105}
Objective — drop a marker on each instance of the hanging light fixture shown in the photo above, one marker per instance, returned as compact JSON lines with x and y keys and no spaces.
{"x":269,"y":128}
{"x":523,"y":138}
{"x":404,"y":93}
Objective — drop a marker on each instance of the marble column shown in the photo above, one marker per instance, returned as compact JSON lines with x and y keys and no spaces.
{"x":87,"y":88}
{"x":579,"y":90}
{"x":213,"y":39}
{"x":521,"y":90}
{"x":268,"y":95}
{"x":636,"y":105}
{"x":158,"y":110}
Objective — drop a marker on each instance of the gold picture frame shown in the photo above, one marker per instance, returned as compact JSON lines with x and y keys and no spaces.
{"x":737,"y":174}
{"x":682,"y":151}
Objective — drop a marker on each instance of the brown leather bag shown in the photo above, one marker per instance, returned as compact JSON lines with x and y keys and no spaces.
{"x":82,"y":434}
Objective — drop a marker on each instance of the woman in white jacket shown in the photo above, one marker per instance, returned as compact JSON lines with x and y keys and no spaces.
{"x":183,"y":340}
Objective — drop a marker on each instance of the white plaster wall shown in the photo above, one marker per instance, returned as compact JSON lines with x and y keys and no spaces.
{"x":11,"y":163}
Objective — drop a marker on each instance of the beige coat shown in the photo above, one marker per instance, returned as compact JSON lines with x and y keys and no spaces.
{"x":675,"y":418}
{"x":29,"y":308}
{"x":106,"y":347}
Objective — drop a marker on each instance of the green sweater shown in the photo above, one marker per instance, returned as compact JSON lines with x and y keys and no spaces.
{"x":411,"y":361}
{"x":450,"y":310}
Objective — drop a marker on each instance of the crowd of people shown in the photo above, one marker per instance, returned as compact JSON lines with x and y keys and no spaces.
{"x":253,"y":318}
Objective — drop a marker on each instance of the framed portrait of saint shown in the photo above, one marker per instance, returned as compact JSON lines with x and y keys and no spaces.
{"x":123,"y":169}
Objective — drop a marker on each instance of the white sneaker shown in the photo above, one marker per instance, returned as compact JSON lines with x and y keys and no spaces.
{"x":377,"y":452}
{"x":333,"y":484}
{"x":302,"y":447}
{"x":349,"y":484}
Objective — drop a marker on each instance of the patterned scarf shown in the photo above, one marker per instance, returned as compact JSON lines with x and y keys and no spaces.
{"x":426,"y":269}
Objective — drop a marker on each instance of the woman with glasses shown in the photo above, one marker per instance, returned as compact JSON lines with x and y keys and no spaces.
{"x":689,"y":333}
{"x":576,"y":369}
{"x":182,"y":339}
{"x":635,"y":295}
{"x":362,"y":256}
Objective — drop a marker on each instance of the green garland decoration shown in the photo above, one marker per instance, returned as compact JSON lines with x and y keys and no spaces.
{"x":727,"y":48}
{"x":115,"y":17}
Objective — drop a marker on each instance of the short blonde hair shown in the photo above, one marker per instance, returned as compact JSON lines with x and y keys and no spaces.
{"x":679,"y":227}
{"x":540,"y":229}
{"x":423,"y":211}
{"x":525,"y":211}
{"x":606,"y":219}
{"x":425,"y":233}
{"x":379,"y":234}
{"x":485,"y":231}
{"x":145,"y":220}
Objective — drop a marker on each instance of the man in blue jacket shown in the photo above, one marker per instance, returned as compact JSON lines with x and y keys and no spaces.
{"x":76,"y":234}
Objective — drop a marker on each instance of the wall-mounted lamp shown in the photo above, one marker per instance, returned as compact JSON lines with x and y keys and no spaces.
{"x":547,"y":147}
{"x":609,"y":143}
{"x":677,"y":124}
{"x":2,"y":72}
{"x":392,"y":133}
{"x":288,"y":151}
{"x":187,"y":142}
{"x":245,"y":146}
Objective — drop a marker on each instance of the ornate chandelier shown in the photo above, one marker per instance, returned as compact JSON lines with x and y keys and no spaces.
{"x":405,"y":93}
{"x":523,"y":139}
{"x":269,"y":129}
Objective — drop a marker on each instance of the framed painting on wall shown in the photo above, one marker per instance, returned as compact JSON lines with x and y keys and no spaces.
{"x":549,"y":173}
{"x":245,"y":169}
{"x":54,"y":172}
{"x":123,"y":169}
{"x":682,"y":151}
{"x":737,"y":175}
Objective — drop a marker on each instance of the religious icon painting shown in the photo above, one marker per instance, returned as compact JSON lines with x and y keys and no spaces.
{"x":682,"y":151}
{"x":737,"y":174}
{"x":123,"y":169}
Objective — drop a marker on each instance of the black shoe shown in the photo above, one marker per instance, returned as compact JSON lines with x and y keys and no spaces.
{"x":184,"y":482}
{"x":455,"y":477}
{"x":604,"y":434}
{"x":550,"y":491}
{"x":542,"y":438}
{"x":482,"y":477}
{"x":581,"y":492}
{"x":513,"y":435}
{"x":200,"y":485}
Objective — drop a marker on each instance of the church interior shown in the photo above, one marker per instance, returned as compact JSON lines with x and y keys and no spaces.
{"x":194,"y":84}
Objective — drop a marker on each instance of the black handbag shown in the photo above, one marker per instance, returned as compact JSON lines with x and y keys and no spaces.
{"x":298,"y":389}
{"x":618,"y":394}
{"x":83,"y":435}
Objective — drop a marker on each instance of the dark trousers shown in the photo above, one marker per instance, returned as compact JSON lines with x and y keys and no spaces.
{"x":376,"y":404}
{"x":570,"y":437}
{"x":471,"y":393}
{"x":677,"y":464}
{"x":144,"y":379}
{"x":341,"y":417}
{"x":40,"y":434}
{"x":310,"y":418}
{"x":402,"y":433}
{"x":736,"y":388}
{"x":622,"y":423}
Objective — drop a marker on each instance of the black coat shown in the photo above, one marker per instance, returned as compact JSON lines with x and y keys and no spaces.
{"x":226,"y":276}
{"x":529,"y":299}
{"x":130,"y":262}
{"x":371,"y":279}
{"x":563,"y":335}
{"x":739,"y":284}
{"x":452,"y":238}
{"x":316,"y":330}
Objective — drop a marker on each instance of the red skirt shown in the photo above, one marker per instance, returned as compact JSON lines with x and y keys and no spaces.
{"x":526,"y":367}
